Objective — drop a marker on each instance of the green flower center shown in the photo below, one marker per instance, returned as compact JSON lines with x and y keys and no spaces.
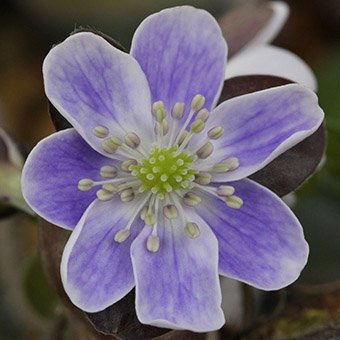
{"x":165,"y":170}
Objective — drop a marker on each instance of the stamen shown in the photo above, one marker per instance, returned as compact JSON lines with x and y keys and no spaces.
{"x":128,"y":164}
{"x":122,"y":235}
{"x":111,"y":144}
{"x":216,"y":132}
{"x":110,"y":188}
{"x":197,"y":102}
{"x":225,"y":190}
{"x":108,"y":171}
{"x":158,"y":111}
{"x":170,"y":211}
{"x":178,"y":110}
{"x":191,"y":199}
{"x":228,"y":164}
{"x":100,"y":131}
{"x":203,"y":114}
{"x":234,"y":202}
{"x":183,"y":137}
{"x":153,"y":243}
{"x":203,"y":178}
{"x":104,"y":195}
{"x":132,"y":140}
{"x":205,"y":151}
{"x":127,"y":195}
{"x":85,"y":184}
{"x":150,"y":218}
{"x":197,"y":126}
{"x":192,"y":229}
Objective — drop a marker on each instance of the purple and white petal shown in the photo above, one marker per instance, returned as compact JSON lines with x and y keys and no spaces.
{"x":93,"y":84}
{"x":274,"y":61}
{"x":272,"y":28}
{"x":182,"y":52}
{"x":262,"y":243}
{"x":96,"y":270}
{"x":260,"y":126}
{"x":51,"y":174}
{"x":178,"y":287}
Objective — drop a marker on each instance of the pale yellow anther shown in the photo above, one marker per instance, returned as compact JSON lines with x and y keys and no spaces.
{"x":205,"y":151}
{"x":197,"y":126}
{"x":192,"y":229}
{"x":228,"y":164}
{"x":225,"y":190}
{"x":104,"y":195}
{"x":153,"y":243}
{"x":108,"y":146}
{"x":203,"y":178}
{"x":183,"y":136}
{"x":143,"y":213}
{"x":191,"y":199}
{"x":127,"y":195}
{"x":115,"y":141}
{"x":160,"y":115}
{"x":108,"y":171}
{"x":178,"y":110}
{"x":162,"y":128}
{"x":132,"y":140}
{"x":110,"y":188}
{"x":85,"y":184}
{"x":202,"y":114}
{"x":170,"y":211}
{"x":100,"y":131}
{"x":150,"y":218}
{"x":159,"y":105}
{"x":128,"y":164}
{"x":197,"y":102}
{"x":216,"y":132}
{"x":121,"y":235}
{"x":234,"y":202}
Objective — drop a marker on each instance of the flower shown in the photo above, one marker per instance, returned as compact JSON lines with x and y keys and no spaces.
{"x":152,"y":178}
{"x":248,"y":31}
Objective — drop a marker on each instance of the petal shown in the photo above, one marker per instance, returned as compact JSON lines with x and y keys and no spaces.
{"x":178,"y":287}
{"x":270,"y":60}
{"x":253,"y":24}
{"x":96,"y":270}
{"x":260,"y":126}
{"x":92,"y":83}
{"x":182,"y":52}
{"x":261,"y":243}
{"x":51,"y":175}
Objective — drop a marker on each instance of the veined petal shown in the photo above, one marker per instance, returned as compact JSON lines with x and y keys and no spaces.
{"x":92,"y":83}
{"x":182,"y":52}
{"x":260,"y":126}
{"x":95,"y":269}
{"x":178,"y":287}
{"x":261,"y":243}
{"x":273,"y":61}
{"x":51,"y":174}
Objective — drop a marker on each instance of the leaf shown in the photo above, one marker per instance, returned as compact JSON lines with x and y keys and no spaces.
{"x":288,"y":171}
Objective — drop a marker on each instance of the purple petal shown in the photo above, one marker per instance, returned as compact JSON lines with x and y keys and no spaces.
{"x":178,"y":286}
{"x":182,"y":52}
{"x":261,"y":243}
{"x":92,"y":83}
{"x":96,"y":270}
{"x":273,"y":61}
{"x":260,"y":126}
{"x":51,"y":175}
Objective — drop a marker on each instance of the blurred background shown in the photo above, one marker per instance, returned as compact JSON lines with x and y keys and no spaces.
{"x":29,"y":28}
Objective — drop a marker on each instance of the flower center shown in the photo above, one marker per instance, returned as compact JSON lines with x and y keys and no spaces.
{"x":165,"y":170}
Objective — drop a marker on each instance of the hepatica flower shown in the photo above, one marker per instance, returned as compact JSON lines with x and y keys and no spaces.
{"x":152,"y":178}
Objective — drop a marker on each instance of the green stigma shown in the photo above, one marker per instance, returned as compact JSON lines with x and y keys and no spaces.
{"x":165,"y":170}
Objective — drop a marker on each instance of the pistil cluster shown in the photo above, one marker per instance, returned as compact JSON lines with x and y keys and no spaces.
{"x":166,"y":179}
